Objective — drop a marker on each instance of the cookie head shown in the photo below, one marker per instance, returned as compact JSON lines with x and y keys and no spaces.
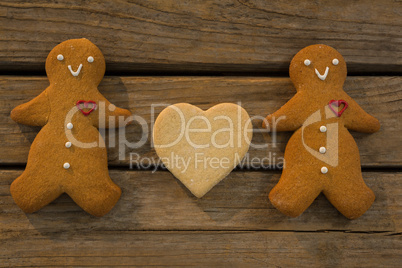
{"x":317,"y":67}
{"x":75,"y":61}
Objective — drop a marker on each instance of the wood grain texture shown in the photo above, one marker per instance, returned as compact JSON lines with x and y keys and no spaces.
{"x":380,"y":96}
{"x":200,"y":249}
{"x":157,"y":201}
{"x":157,"y":222}
{"x":203,"y":36}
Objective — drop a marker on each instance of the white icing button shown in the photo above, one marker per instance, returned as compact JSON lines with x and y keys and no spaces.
{"x":323,"y":128}
{"x":68,"y":144}
{"x":324,"y":170}
{"x":70,"y":126}
{"x":335,"y":61}
{"x":60,"y":57}
{"x":323,"y":150}
{"x":66,"y":165}
{"x":90,"y":59}
{"x":307,"y":62}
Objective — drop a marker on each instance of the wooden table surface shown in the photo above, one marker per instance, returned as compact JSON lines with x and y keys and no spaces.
{"x":204,"y":53}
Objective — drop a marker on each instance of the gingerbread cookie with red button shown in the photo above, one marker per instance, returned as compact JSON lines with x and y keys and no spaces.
{"x":321,"y":156}
{"x":68,"y":155}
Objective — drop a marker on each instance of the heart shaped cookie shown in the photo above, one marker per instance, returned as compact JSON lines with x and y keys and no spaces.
{"x":199,"y":147}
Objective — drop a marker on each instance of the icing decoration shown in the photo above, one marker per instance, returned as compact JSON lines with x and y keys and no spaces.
{"x":307,"y":62}
{"x":90,"y":59}
{"x":335,"y":61}
{"x":70,"y":126}
{"x":85,"y":104}
{"x":337,"y":104}
{"x":60,"y":57}
{"x":324,"y":170}
{"x":76,"y":73}
{"x":323,"y":128}
{"x":322,"y":150}
{"x":66,"y":165}
{"x":68,"y":144}
{"x":322,"y":76}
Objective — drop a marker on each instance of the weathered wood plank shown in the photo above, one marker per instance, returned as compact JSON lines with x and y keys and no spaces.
{"x":200,"y":249}
{"x":157,"y":201}
{"x":380,"y":96}
{"x":219,"y":36}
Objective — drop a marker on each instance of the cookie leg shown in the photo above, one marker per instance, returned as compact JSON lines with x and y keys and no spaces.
{"x":294,"y":193}
{"x":350,"y":196}
{"x":97,"y":196}
{"x":33,"y":191}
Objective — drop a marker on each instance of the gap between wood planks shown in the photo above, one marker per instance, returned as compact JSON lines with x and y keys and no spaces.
{"x":40,"y":72}
{"x":391,"y":169}
{"x":166,"y":231}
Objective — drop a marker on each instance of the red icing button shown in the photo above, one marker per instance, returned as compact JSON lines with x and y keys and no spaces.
{"x":85,"y":104}
{"x":338,"y":103}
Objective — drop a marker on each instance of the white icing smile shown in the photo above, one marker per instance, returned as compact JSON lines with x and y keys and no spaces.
{"x":322,"y":76}
{"x":76,"y":73}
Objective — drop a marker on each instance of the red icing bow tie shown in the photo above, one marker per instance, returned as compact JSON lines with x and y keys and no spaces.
{"x":81,"y":104}
{"x":338,"y":103}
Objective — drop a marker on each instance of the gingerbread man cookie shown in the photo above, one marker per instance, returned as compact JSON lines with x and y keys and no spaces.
{"x":322,"y":155}
{"x":68,"y":155}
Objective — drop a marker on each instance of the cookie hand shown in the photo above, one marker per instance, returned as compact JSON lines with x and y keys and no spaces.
{"x":33,"y":113}
{"x":359,"y":120}
{"x":289,"y":117}
{"x":113,"y":116}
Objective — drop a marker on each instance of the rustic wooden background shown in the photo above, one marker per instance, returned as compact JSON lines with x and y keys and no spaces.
{"x":204,"y":52}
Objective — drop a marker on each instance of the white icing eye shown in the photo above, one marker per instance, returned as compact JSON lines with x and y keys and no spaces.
{"x":335,"y":61}
{"x":90,"y":59}
{"x":307,"y":62}
{"x":60,"y":57}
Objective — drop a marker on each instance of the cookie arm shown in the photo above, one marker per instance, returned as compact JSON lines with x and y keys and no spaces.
{"x":111,"y":112}
{"x":289,"y":117}
{"x":359,"y":120}
{"x":33,"y":113}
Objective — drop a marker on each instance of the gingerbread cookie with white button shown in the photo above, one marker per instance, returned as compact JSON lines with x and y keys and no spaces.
{"x":321,"y":156}
{"x":68,"y":155}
